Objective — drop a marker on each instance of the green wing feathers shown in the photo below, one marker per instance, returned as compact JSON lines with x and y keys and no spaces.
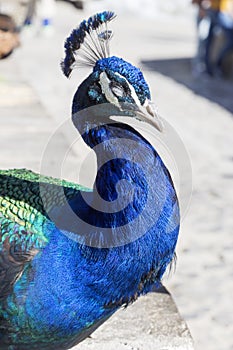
{"x":35,"y":190}
{"x":25,"y":199}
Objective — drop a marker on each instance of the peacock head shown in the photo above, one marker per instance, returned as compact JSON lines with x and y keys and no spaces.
{"x":114,"y":82}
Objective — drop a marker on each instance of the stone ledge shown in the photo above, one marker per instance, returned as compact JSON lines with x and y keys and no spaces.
{"x":151,"y":323}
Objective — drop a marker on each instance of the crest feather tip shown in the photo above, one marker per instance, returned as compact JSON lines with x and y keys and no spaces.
{"x":88,"y":43}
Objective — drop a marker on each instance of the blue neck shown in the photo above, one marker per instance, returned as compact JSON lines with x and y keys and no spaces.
{"x":121,"y":183}
{"x":121,"y":176}
{"x":142,"y":227}
{"x":128,"y":183}
{"x":131,"y":186}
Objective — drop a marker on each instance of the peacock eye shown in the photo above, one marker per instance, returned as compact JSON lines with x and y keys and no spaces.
{"x":117,"y":89}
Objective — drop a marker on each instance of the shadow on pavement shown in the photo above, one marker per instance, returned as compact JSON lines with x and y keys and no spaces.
{"x":180,"y":70}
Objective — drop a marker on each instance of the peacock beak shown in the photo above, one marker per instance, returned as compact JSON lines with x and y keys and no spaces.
{"x":147,"y":113}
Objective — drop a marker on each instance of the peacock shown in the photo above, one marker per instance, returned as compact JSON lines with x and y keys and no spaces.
{"x":71,"y":256}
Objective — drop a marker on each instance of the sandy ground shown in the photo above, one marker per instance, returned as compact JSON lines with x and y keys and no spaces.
{"x":200,"y":110}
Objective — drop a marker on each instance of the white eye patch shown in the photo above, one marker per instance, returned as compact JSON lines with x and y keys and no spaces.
{"x":111,"y":93}
{"x":133,"y":92}
{"x":105,"y":87}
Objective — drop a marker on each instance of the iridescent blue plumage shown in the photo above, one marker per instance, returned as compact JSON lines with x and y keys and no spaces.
{"x":70,"y":257}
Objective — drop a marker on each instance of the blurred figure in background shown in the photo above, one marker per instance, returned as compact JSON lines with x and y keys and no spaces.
{"x":44,"y":11}
{"x":208,"y":11}
{"x":9,"y":37}
{"x":12,"y":17}
{"x":47,"y":12}
{"x":16,"y":14}
{"x":225,"y":21}
{"x":17,"y":10}
{"x":30,"y":12}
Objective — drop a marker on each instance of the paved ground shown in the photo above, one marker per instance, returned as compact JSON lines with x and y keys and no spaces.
{"x":200,"y":110}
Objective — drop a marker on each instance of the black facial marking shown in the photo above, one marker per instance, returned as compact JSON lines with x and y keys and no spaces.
{"x":117,"y":89}
{"x":120,"y":87}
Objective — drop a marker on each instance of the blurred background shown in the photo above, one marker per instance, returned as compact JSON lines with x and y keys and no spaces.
{"x":165,"y":39}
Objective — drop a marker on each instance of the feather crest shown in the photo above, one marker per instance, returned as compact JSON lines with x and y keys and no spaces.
{"x":88,"y":43}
